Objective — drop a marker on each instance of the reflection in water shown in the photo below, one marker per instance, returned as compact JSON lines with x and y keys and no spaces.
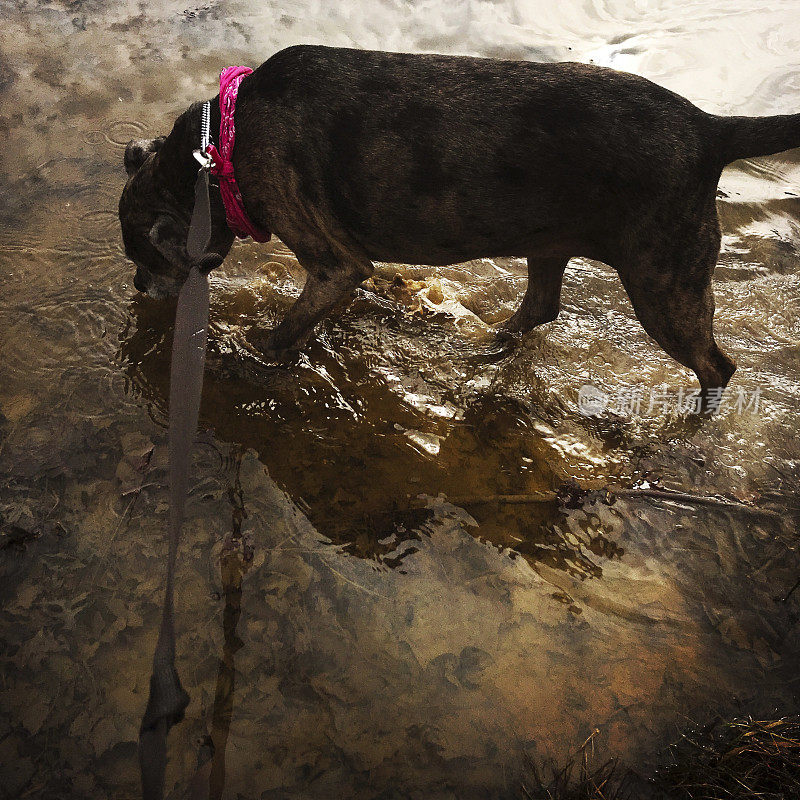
{"x":425,"y":581}
{"x":485,"y":453}
{"x":355,"y":459}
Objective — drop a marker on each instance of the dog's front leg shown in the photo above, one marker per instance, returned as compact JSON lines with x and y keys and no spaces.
{"x":321,"y":293}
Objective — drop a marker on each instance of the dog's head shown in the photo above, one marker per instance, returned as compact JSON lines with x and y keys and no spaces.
{"x":156,"y":206}
{"x":152,"y":221}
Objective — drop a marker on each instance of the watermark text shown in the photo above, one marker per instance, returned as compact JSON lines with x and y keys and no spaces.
{"x":640,"y":401}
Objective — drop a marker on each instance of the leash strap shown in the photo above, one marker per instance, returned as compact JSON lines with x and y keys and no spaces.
{"x":168,"y":700}
{"x":200,"y":224}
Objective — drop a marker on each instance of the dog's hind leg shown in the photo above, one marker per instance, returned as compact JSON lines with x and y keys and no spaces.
{"x":677,"y":309}
{"x":542,"y":299}
{"x":324,"y":289}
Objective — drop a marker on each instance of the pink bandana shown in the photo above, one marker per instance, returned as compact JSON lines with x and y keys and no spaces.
{"x":238,"y":221}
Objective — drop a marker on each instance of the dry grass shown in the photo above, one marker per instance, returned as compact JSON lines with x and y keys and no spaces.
{"x":732,"y":760}
{"x":579,"y":779}
{"x":737,"y":759}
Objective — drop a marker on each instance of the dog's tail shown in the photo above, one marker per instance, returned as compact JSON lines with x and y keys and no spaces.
{"x":748,"y":137}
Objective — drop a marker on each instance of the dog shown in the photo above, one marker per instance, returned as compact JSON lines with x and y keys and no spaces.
{"x":354,"y":156}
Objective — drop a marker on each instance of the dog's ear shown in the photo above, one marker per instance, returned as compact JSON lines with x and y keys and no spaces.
{"x":169,"y":240}
{"x":137,"y":151}
{"x":171,"y":243}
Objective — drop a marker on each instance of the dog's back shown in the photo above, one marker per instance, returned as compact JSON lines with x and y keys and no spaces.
{"x":430,"y":158}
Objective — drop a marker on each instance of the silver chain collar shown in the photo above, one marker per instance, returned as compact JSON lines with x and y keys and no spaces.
{"x":201,"y":155}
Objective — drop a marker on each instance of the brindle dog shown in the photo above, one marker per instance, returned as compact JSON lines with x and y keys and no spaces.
{"x":354,"y":156}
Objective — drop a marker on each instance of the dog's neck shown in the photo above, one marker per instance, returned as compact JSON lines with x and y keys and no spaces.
{"x":177,"y":166}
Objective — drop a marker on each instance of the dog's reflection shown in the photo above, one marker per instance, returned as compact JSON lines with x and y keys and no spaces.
{"x":353,"y":454}
{"x":312,"y":428}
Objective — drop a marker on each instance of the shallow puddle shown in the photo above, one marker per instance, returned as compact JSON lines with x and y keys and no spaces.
{"x":410,"y":563}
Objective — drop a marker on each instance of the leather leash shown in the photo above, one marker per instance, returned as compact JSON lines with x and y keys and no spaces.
{"x":168,"y":699}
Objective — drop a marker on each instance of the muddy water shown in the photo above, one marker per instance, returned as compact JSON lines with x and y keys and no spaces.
{"x":380,"y":594}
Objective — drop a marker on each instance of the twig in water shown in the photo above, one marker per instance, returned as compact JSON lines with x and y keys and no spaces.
{"x":657,"y":494}
{"x":697,"y":499}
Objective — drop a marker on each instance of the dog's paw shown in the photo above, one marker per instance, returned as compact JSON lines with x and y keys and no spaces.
{"x":503,"y":334}
{"x":524,"y":321}
{"x":510,"y":327}
{"x":508,"y":333}
{"x":261,"y":345}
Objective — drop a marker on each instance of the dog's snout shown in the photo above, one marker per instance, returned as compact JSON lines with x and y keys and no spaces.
{"x":139,"y":281}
